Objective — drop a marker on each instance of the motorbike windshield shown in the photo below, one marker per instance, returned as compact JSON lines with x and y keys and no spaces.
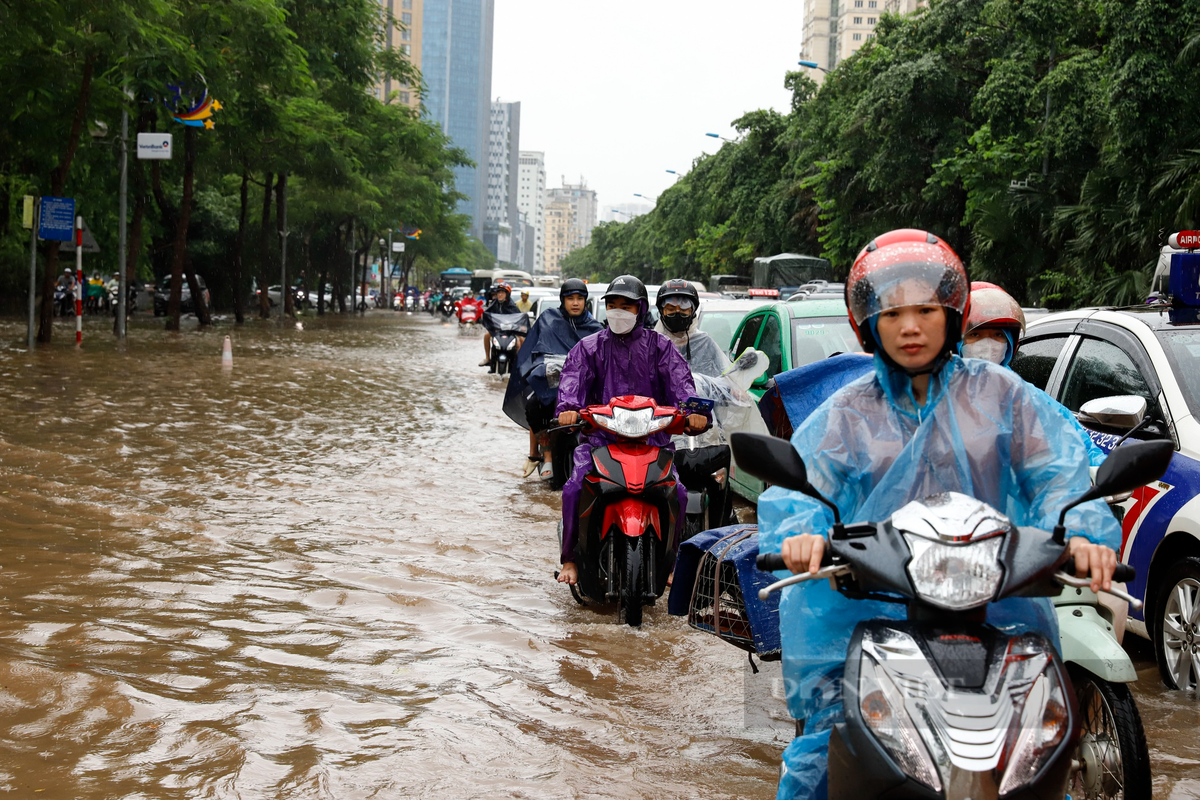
{"x":509,"y":323}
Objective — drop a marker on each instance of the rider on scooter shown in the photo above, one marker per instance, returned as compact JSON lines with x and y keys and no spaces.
{"x":501,"y":304}
{"x":530,"y":399}
{"x":624,"y":359}
{"x":678,"y":305}
{"x":925,"y":421}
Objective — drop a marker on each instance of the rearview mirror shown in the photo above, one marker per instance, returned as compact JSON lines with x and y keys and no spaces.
{"x":775,"y":461}
{"x":1120,"y":411}
{"x":771,"y":459}
{"x":1126,"y":468}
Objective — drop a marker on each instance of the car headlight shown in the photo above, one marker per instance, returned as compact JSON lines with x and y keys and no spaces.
{"x":958,"y":576}
{"x":882,"y":708}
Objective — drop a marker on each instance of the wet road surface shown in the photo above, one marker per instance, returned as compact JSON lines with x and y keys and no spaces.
{"x":319,"y":574}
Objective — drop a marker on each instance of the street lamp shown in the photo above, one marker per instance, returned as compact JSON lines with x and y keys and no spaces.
{"x":719,"y":136}
{"x":645,"y":197}
{"x":813,"y":65}
{"x":619,"y":211}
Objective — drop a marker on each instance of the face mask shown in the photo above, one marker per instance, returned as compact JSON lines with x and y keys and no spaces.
{"x":677,"y":323}
{"x":621,"y":322}
{"x":987,"y":349}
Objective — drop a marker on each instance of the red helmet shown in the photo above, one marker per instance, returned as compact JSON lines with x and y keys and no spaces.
{"x":992,"y":307}
{"x":907,"y":267}
{"x":503,"y":285}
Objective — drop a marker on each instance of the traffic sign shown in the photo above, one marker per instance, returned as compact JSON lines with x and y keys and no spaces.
{"x":58,"y":219}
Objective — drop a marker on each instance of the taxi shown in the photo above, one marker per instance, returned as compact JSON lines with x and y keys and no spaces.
{"x":1135,"y":373}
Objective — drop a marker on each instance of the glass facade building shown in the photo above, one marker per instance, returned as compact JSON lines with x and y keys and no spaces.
{"x":456,"y":63}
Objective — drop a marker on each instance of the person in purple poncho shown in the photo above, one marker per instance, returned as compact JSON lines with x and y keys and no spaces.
{"x":626,"y":358}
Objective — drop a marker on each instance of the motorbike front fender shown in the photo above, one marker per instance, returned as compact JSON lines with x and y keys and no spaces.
{"x":1087,"y":639}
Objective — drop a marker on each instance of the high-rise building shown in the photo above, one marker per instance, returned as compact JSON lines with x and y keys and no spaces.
{"x":560,"y":223}
{"x":456,"y":63}
{"x":835,"y":29}
{"x":406,"y":40}
{"x":579,"y":221}
{"x":531,"y":201}
{"x":503,"y":231}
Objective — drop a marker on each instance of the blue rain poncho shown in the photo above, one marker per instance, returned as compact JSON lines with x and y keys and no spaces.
{"x":984,"y":432}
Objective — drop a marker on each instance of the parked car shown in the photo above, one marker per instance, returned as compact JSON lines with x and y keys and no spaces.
{"x":1150,"y":357}
{"x":162,"y":296}
{"x":792,"y":335}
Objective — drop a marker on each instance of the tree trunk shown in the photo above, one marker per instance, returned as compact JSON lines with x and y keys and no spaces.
{"x":179,"y":251}
{"x":264,"y":250}
{"x":289,"y":305}
{"x":239,"y":313}
{"x":58,"y":181}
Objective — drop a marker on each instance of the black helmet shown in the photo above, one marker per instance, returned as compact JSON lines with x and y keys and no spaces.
{"x":572,"y":286}
{"x":630,"y":288}
{"x":677,"y":287}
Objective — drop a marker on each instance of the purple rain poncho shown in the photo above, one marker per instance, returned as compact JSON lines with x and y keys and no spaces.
{"x":604,"y":366}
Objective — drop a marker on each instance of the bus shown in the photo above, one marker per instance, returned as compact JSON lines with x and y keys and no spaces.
{"x":454,"y":277}
{"x":484,"y":278}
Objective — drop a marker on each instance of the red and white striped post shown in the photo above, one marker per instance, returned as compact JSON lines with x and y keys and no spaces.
{"x":78,"y":281}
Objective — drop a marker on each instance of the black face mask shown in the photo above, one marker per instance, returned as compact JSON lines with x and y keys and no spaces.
{"x":677,"y":323}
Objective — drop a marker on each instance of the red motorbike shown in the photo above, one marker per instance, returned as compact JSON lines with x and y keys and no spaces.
{"x":628,"y":507}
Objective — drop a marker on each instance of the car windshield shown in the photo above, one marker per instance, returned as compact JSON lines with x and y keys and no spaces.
{"x":1183,"y":351}
{"x":721,"y":324}
{"x":815,"y":338}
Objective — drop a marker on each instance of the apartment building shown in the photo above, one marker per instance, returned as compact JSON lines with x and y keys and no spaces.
{"x":837,"y":29}
{"x":531,"y":203}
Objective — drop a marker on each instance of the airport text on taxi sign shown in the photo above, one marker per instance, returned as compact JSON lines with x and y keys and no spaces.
{"x":1188,"y":240}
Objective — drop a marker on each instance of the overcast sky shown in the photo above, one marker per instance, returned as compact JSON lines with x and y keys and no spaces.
{"x":619,"y":91}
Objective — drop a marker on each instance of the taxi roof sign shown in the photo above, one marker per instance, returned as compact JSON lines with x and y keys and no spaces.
{"x":1184,"y":240}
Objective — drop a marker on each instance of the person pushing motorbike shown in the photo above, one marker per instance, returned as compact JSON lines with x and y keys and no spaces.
{"x":925,"y":421}
{"x":501,"y":304}
{"x":624,"y":359}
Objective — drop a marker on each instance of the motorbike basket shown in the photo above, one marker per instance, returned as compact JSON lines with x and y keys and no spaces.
{"x":718,"y":605}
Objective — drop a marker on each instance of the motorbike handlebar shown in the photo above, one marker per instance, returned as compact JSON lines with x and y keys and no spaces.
{"x":1124,"y":573}
{"x":769,"y":562}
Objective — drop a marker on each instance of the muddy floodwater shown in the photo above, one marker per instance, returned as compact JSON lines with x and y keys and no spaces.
{"x":319,"y":574}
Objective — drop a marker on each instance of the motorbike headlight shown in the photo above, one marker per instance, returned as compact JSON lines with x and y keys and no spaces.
{"x":956,"y":577}
{"x":1044,"y":723}
{"x":882,"y":706}
{"x":511,"y":345}
{"x":632,"y":423}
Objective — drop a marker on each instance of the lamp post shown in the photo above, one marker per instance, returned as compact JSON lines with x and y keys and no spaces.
{"x":646,"y":197}
{"x":813,"y":65}
{"x":626,"y":213}
{"x":673,"y":172}
{"x":719,"y":136}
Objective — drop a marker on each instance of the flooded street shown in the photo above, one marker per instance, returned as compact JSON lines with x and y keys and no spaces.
{"x":320,"y":575}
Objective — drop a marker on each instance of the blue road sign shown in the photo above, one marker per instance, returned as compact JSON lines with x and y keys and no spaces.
{"x":58,"y":219}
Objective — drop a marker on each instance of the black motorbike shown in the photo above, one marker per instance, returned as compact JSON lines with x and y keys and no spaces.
{"x":64,"y":301}
{"x":505,"y":330}
{"x":445,"y":307}
{"x":942,"y":704}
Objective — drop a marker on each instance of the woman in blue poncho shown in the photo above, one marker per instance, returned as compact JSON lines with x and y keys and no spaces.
{"x":924,"y":421}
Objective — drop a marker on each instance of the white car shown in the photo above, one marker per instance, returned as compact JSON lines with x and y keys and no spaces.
{"x":1150,"y":357}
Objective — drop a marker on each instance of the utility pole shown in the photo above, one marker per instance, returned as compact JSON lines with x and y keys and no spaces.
{"x":122,"y":213}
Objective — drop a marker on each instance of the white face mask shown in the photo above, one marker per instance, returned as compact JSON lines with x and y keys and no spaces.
{"x":987,"y":349}
{"x":621,"y":322}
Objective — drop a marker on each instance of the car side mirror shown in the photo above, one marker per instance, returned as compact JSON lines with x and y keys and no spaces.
{"x":776,"y":462}
{"x":1119,"y":411}
{"x":1126,"y":468}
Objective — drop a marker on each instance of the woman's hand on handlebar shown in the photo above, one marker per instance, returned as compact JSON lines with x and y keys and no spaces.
{"x":568,"y":418}
{"x":696,"y":423}
{"x":803,"y":553}
{"x":1092,"y":560}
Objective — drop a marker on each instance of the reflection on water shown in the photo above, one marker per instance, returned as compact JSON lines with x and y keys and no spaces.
{"x":320,"y":575}
{"x":317,"y":575}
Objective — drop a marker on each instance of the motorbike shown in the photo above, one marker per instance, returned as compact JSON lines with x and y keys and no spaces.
{"x":64,"y":301}
{"x":629,"y":507}
{"x":560,"y":442}
{"x":131,"y":294}
{"x":445,"y":307}
{"x":942,"y":704}
{"x":410,"y":303}
{"x":505,"y":330}
{"x":469,"y":316}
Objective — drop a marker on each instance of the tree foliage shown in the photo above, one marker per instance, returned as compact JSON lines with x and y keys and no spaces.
{"x":296,"y":80}
{"x":1051,"y":142}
